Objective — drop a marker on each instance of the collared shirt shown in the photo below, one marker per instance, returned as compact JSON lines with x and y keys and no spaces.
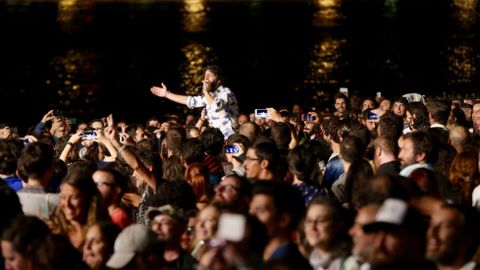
{"x":222,"y":112}
{"x":436,"y":125}
{"x":410,"y":168}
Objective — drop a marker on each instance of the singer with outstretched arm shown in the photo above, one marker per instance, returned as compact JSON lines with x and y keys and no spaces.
{"x":219,"y":101}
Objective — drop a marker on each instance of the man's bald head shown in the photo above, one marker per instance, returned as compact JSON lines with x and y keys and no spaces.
{"x":459,"y":137}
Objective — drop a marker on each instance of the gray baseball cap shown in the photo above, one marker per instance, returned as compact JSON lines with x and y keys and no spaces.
{"x":133,"y":240}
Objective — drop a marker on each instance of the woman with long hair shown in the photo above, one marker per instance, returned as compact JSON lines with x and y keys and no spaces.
{"x":80,"y":206}
{"x":98,"y":245}
{"x":197,"y":176}
{"x":464,"y":175}
{"x":303,"y":164}
{"x":205,"y":229}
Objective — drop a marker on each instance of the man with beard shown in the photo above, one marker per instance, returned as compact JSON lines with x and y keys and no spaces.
{"x":398,"y":232}
{"x":362,"y":241}
{"x":453,"y":237}
{"x":341,"y":104}
{"x":233,"y":193}
{"x":219,"y":101}
{"x":311,"y":127}
{"x":415,"y":150}
{"x":169,"y":223}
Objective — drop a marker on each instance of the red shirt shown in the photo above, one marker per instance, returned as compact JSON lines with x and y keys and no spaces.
{"x":120,"y":217}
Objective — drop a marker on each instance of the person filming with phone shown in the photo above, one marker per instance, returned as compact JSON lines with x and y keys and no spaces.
{"x":219,"y":101}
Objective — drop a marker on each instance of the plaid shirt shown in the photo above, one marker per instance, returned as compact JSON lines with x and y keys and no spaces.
{"x":222,"y":112}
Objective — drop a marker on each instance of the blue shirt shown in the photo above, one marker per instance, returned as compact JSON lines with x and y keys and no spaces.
{"x":289,"y":255}
{"x":222,"y":112}
{"x":14,"y":182}
{"x":309,"y":193}
{"x":332,"y":172}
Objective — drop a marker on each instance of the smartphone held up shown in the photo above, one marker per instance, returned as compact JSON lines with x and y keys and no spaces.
{"x":261,"y":113}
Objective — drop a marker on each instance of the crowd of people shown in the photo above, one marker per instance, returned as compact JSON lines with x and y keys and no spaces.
{"x":373,"y":183}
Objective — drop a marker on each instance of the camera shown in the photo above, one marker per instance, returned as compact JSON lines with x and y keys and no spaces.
{"x":89,"y":135}
{"x":261,"y":113}
{"x":231,"y":149}
{"x":308,"y":117}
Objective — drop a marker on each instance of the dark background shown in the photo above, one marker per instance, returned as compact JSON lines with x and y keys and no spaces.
{"x":96,"y":57}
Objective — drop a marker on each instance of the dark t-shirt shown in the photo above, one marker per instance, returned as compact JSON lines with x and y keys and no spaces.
{"x":389,"y":168}
{"x":184,"y":262}
{"x":288,"y":255}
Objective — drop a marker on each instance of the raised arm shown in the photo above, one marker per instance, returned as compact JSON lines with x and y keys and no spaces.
{"x":131,"y":159}
{"x":161,"y":91}
{"x":74,"y":139}
{"x":101,"y":138}
{"x":201,"y":119}
{"x":41,"y":125}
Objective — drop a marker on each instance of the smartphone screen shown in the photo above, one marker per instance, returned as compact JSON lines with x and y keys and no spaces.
{"x":89,"y":135}
{"x":231,"y":149}
{"x":308,"y":117}
{"x":261,"y":113}
{"x":373,"y":116}
{"x":231,"y":227}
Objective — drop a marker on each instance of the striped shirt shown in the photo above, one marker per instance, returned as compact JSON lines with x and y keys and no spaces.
{"x":222,"y":112}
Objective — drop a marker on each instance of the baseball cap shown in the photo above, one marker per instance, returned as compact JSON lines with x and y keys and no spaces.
{"x":168,"y":209}
{"x":133,"y":240}
{"x":395,"y":214}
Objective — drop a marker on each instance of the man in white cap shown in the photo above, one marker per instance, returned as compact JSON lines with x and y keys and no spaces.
{"x":399,"y":237}
{"x":136,"y":248}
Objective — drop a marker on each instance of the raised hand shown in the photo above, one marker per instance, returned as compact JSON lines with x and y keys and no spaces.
{"x":110,"y":121}
{"x":101,"y":138}
{"x":75,"y":138}
{"x":274,"y":115}
{"x":203,"y":114}
{"x":159,"y":91}
{"x":110,"y":133}
{"x":207,"y":85}
{"x":47,"y":117}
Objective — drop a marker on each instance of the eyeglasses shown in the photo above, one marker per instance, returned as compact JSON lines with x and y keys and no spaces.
{"x":314,"y":222}
{"x":162,"y":222}
{"x":227,"y":188}
{"x":249,"y":158}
